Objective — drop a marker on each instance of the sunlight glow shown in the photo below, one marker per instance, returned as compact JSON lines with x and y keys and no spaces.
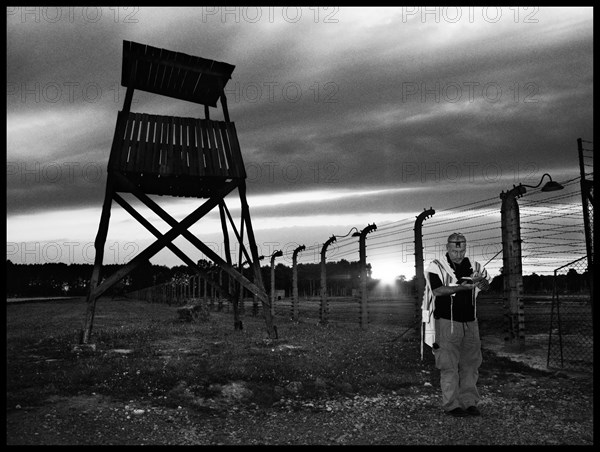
{"x":386,"y":272}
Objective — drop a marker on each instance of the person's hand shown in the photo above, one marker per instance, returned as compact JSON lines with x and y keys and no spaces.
{"x":480,"y":282}
{"x":483,"y":284}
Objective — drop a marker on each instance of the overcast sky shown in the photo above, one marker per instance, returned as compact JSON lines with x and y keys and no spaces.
{"x":345,"y":116}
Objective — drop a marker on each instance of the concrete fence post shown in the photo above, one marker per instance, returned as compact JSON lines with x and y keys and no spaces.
{"x":295,"y":300}
{"x":273,"y":256}
{"x":324,"y":309}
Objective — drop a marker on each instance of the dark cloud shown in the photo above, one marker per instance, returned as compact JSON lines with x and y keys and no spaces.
{"x":367,"y":102}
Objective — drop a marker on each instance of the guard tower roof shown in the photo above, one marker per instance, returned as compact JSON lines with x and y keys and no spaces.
{"x":174,"y":74}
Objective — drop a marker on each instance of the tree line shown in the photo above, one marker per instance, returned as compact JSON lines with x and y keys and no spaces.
{"x":343,"y":277}
{"x":60,"y":279}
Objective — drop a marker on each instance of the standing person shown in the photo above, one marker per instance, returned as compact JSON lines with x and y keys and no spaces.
{"x":450,"y":320}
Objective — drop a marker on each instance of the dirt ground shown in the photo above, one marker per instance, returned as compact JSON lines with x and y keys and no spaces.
{"x":520,"y":404}
{"x":526,"y":407}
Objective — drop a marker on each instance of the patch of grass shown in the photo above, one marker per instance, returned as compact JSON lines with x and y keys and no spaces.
{"x":166,"y":352}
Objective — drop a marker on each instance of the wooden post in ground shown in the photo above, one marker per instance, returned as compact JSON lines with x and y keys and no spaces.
{"x":99,"y":243}
{"x":587,"y":202}
{"x":237,"y":323}
{"x":215,"y":292}
{"x":205,"y":294}
{"x":258,"y":281}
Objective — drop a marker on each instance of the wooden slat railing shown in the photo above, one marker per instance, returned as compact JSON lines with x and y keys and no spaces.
{"x":175,"y":146}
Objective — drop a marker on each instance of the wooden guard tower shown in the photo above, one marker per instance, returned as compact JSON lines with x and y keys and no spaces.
{"x":176,"y":156}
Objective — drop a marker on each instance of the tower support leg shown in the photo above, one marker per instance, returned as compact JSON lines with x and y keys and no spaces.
{"x":271,"y":328}
{"x":96,"y":272}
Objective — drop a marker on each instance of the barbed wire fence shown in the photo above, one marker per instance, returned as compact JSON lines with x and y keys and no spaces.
{"x":552,"y":233}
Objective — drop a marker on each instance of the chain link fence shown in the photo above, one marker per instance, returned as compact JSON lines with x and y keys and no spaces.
{"x":570,"y":342}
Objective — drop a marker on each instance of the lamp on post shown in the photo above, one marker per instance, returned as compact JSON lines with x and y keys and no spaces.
{"x":512,"y":262}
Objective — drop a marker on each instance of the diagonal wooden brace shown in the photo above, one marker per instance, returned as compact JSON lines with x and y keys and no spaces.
{"x":256,"y":290}
{"x":178,"y":228}
{"x":180,"y":254}
{"x":237,"y":234}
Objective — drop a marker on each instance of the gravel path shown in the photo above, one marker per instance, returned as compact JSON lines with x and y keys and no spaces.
{"x":520,"y":409}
